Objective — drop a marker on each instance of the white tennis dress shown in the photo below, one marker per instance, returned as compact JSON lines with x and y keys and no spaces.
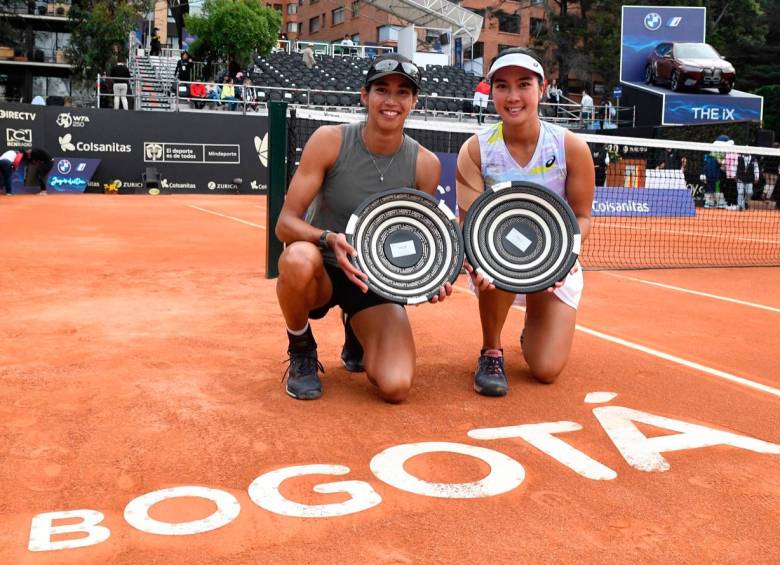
{"x":547,"y":167}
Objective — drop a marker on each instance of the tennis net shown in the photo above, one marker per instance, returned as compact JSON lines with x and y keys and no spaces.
{"x":657,"y":204}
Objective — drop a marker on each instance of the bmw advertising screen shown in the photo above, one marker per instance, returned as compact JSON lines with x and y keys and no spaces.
{"x":644,"y":27}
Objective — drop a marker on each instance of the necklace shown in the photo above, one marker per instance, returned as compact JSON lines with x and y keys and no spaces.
{"x":390,"y":164}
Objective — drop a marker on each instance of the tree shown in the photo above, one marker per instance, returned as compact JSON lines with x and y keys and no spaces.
{"x":100,"y":29}
{"x":232,"y":29}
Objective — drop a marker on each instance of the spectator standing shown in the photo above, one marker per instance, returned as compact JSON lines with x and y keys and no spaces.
{"x":250,"y":95}
{"x":728,"y":179}
{"x":154,"y":45}
{"x":747,"y":174}
{"x":183,"y":70}
{"x":120,"y":75}
{"x":308,"y":57}
{"x":347,"y":45}
{"x":771,"y":167}
{"x":481,"y":97}
{"x":586,"y":109}
{"x":610,"y":113}
{"x":554,"y":95}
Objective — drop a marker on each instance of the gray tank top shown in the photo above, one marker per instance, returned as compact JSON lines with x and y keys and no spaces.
{"x":354,"y":177}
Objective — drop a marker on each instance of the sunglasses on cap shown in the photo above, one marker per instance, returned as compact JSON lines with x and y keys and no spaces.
{"x":389,"y":66}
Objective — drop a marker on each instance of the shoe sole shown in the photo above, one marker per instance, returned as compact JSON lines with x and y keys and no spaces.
{"x":310,"y":396}
{"x":353,"y":368}
{"x":490,"y":392}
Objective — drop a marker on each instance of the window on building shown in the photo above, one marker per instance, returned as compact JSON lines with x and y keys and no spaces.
{"x":536,"y":27}
{"x":292,"y":27}
{"x":314,"y":24}
{"x":337,"y":16}
{"x":508,"y":23}
{"x":292,"y":8}
{"x":355,"y":8}
{"x":476,"y":53}
{"x":278,"y":8}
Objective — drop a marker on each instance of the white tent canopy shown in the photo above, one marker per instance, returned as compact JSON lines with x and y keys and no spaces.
{"x":435,"y":14}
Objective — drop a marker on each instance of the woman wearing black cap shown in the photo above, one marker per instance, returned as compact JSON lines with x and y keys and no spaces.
{"x":522,"y":147}
{"x":340,"y":167}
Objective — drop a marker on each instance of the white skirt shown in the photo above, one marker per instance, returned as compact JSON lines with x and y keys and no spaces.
{"x":570,"y":293}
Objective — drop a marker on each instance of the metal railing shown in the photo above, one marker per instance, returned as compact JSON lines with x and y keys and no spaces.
{"x":331,"y":49}
{"x":565,"y":115}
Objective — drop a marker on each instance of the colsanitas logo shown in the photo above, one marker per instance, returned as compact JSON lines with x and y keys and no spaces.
{"x":13,"y":115}
{"x":630,"y":206}
{"x":167,"y":185}
{"x":261,"y":146}
{"x":66,"y":144}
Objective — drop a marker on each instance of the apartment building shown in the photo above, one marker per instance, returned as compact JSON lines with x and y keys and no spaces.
{"x":506,"y":23}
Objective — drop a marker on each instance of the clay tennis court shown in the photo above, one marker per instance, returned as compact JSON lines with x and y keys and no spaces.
{"x":143,"y":350}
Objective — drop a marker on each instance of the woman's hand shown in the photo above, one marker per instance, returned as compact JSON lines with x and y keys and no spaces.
{"x":444,"y":292}
{"x":479,"y":280}
{"x":561,"y":282}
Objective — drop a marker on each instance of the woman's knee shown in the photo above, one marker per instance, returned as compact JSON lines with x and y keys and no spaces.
{"x":394,"y":392}
{"x":546,"y":370}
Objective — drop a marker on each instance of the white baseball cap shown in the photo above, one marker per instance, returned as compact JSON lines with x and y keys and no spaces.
{"x":516,"y":60}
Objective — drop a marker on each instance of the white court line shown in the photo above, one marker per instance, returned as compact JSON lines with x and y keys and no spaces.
{"x":696,"y":292}
{"x":666,"y":356}
{"x":226,"y":216}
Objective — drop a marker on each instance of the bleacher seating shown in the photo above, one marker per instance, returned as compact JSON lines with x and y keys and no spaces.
{"x":282,"y":70}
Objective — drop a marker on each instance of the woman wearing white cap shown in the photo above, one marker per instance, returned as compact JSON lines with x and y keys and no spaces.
{"x":522,"y":147}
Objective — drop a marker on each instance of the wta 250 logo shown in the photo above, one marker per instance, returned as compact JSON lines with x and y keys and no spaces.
{"x":65,"y":120}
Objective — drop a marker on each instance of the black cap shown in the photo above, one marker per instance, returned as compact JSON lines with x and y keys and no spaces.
{"x":394,"y":64}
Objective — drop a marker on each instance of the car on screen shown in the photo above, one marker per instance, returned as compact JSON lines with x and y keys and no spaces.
{"x":689,"y":65}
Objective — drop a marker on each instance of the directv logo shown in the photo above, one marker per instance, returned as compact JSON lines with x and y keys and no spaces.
{"x":674,"y":22}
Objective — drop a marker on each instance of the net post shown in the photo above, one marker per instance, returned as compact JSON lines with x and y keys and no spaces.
{"x":277,"y":183}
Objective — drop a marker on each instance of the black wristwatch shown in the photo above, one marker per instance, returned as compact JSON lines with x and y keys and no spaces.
{"x":323,"y":241}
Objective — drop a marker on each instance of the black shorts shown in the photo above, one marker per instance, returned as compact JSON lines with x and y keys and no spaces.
{"x":346,"y":295}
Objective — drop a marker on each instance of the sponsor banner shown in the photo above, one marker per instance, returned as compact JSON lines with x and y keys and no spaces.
{"x":651,"y":202}
{"x":21,"y":126}
{"x":71,"y":174}
{"x":192,"y":152}
{"x":707,"y":108}
{"x":20,"y":138}
{"x":644,"y":27}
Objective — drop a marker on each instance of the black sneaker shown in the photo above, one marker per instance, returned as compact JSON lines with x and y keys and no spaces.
{"x":489,"y":378}
{"x":303,"y":381}
{"x":352,"y":352}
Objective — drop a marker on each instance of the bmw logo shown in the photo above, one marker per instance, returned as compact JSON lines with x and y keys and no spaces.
{"x":653,"y":21}
{"x":63,"y":167}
